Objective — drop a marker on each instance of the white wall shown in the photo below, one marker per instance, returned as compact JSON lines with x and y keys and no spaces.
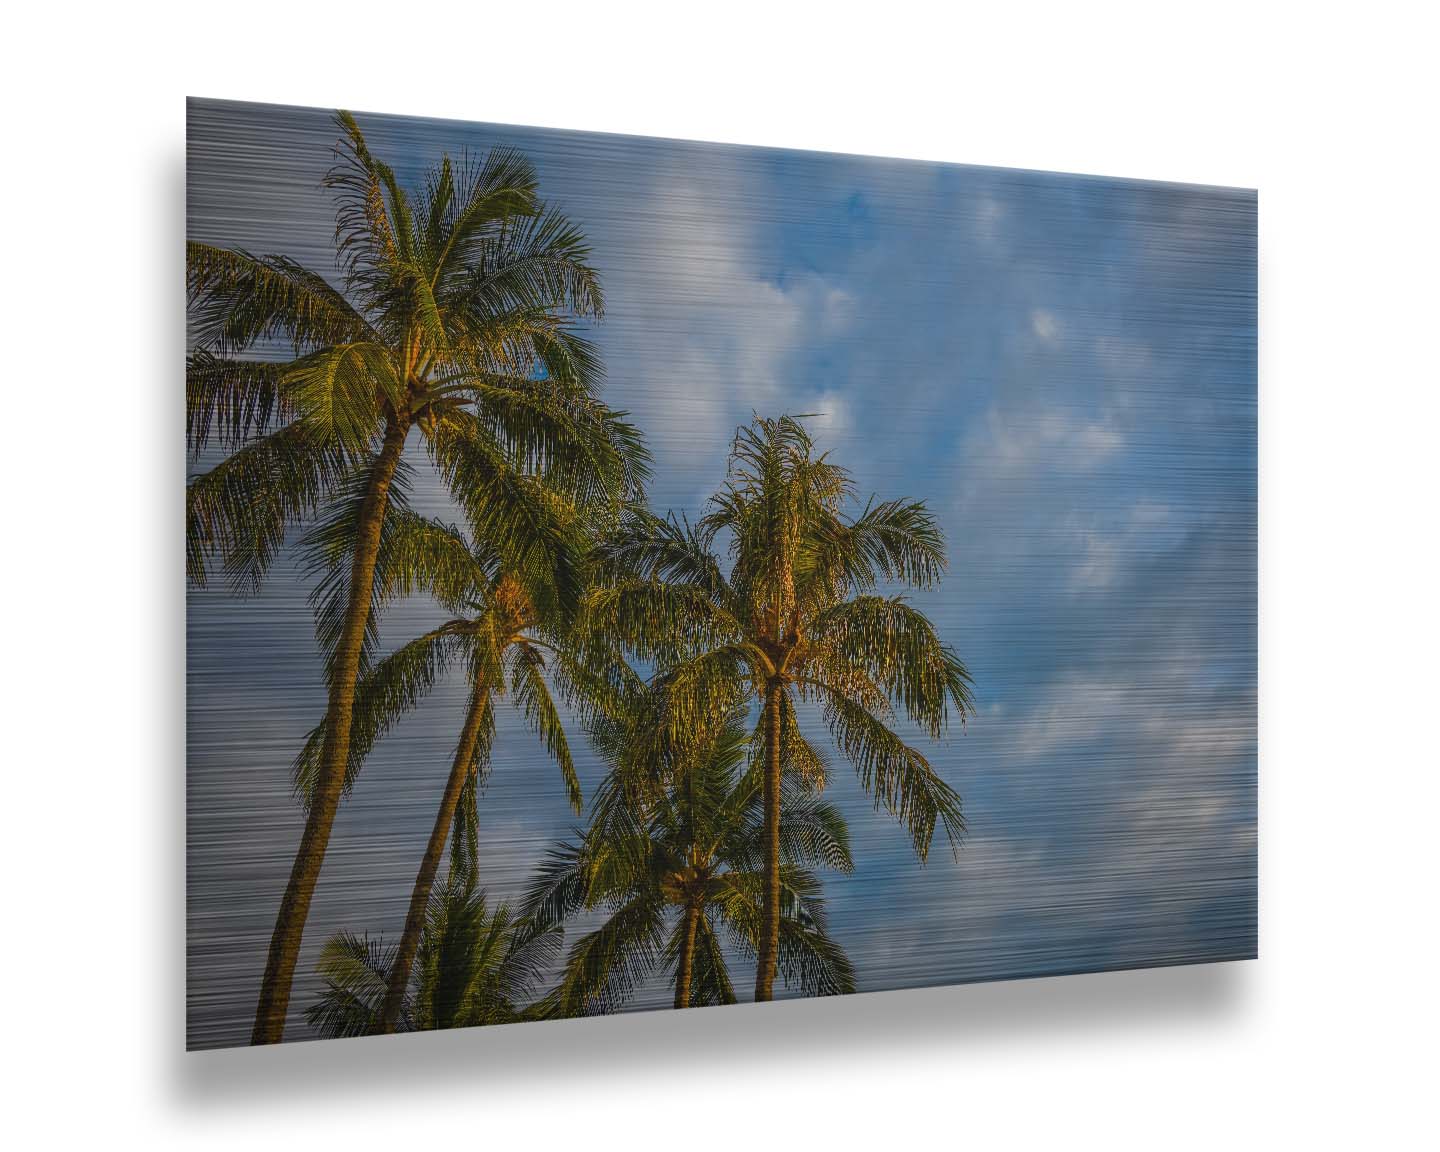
{"x":1328,"y":1037}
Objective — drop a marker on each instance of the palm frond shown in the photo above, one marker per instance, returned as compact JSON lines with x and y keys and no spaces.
{"x":896,"y":647}
{"x":604,"y":967}
{"x":667,"y":551}
{"x":340,"y":391}
{"x":710,"y":975}
{"x":355,"y":970}
{"x":532,"y":696}
{"x":539,"y":259}
{"x":896,"y":540}
{"x":537,"y":534}
{"x":577,"y":445}
{"x":368,"y":241}
{"x":656,"y":622}
{"x":810,"y":959}
{"x":237,"y":300}
{"x":241,"y":508}
{"x":464,"y":215}
{"x":234,"y":400}
{"x":382,"y":696}
{"x":899,"y":778}
{"x":530,"y":956}
{"x":421,"y":554}
{"x":327,"y":551}
{"x":800,"y":760}
{"x":465,"y":833}
{"x":812,"y":833}
{"x":558,"y":889}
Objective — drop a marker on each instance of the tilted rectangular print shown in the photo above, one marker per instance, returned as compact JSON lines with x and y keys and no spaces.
{"x":632,"y":574}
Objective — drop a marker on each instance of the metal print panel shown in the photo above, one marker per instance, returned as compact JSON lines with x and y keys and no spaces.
{"x":632,"y":574}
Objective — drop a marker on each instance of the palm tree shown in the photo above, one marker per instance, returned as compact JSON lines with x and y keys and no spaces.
{"x":495,"y":634}
{"x":477,"y":965}
{"x":679,"y":871}
{"x":456,"y":315}
{"x":798,"y":617}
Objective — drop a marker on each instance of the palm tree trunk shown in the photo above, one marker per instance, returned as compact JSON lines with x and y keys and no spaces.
{"x":430,"y":864}
{"x":768,"y":951}
{"x":334,"y":754}
{"x":687,"y":955}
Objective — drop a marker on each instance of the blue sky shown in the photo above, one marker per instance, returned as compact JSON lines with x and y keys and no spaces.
{"x":1062,"y":367}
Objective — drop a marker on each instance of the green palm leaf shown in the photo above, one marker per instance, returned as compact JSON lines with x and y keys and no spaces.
{"x":243,"y":507}
{"x":394,"y":687}
{"x":532,"y":696}
{"x":354,"y":969}
{"x":899,"y":778}
{"x":238,"y":300}
{"x":233,"y":399}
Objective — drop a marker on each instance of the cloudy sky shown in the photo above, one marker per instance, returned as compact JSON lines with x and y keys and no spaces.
{"x":1062,"y":367}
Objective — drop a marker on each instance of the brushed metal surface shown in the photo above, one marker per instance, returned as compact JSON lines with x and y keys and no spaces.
{"x":1062,"y":367}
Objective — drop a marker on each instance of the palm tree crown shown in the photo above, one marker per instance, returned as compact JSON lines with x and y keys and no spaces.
{"x":798,"y":617}
{"x":678,"y":871}
{"x":457,"y":316}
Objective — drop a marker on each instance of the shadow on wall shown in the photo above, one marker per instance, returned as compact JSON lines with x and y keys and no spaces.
{"x":626,"y":1049}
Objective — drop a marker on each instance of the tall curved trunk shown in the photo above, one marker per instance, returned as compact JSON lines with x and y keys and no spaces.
{"x":334,"y":753}
{"x":430,"y":864}
{"x":686,"y":965}
{"x":768,"y":952}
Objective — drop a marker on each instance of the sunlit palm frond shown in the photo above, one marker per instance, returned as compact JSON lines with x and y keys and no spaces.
{"x":812,"y":833}
{"x":462,"y":211}
{"x":896,"y":647}
{"x":420,"y":554}
{"x":532,"y":696}
{"x":536,"y":258}
{"x":663,"y":623}
{"x":577,"y":445}
{"x":896,"y":540}
{"x":667,"y":551}
{"x":340,"y":392}
{"x":800,"y":760}
{"x":237,"y":300}
{"x":371,"y":232}
{"x":899,"y":778}
{"x":697,"y":695}
{"x":538,"y":535}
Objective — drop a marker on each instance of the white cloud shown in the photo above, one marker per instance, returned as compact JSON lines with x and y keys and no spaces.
{"x":989,"y":222}
{"x":833,"y":418}
{"x":1106,"y":555}
{"x":718,"y":339}
{"x":1075,"y":711}
{"x":1045,"y":325}
{"x":1014,"y":447}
